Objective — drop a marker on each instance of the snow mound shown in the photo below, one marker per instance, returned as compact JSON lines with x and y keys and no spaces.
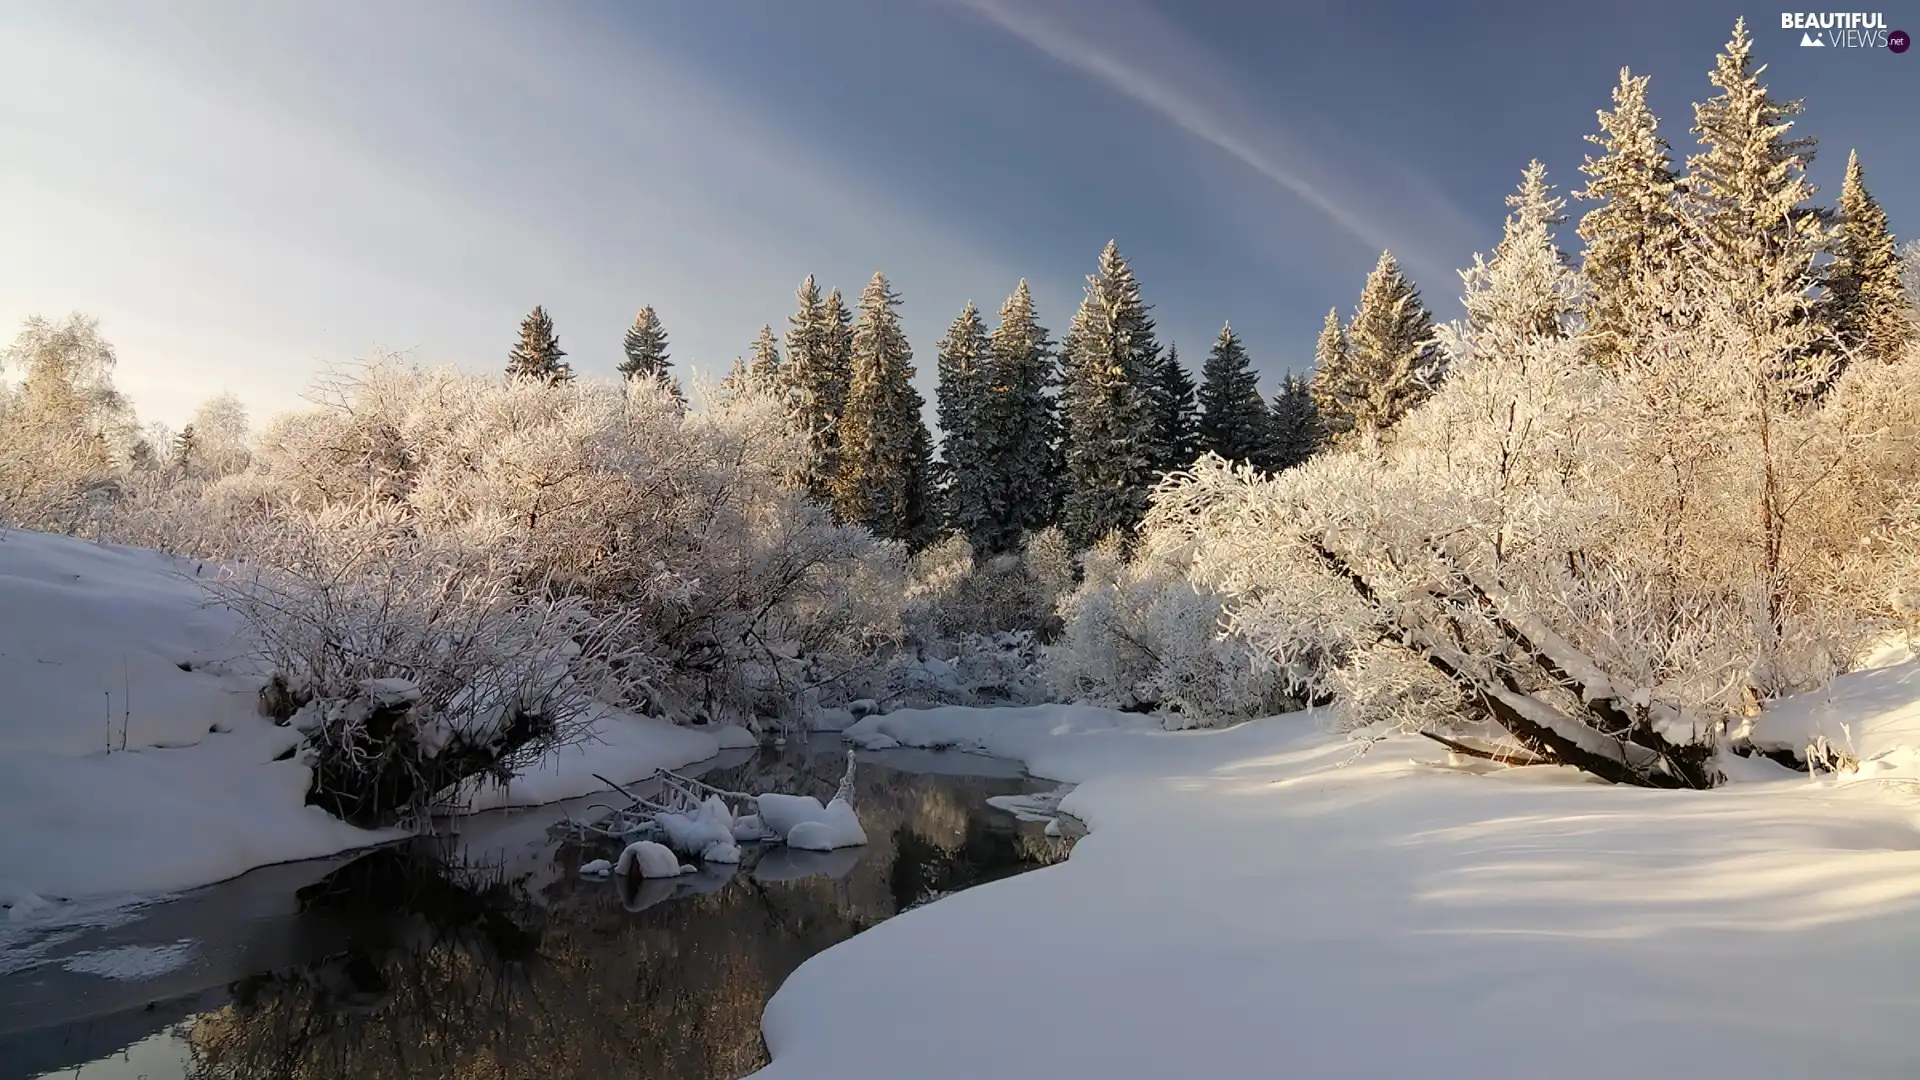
{"x":707,"y":825}
{"x":596,"y":868}
{"x":1872,"y":714}
{"x":837,"y":827}
{"x":649,"y":860}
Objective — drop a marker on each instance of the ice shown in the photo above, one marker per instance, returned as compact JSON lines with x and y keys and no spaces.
{"x":132,"y":963}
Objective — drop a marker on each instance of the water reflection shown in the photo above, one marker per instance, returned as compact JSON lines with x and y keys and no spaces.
{"x":439,"y":968}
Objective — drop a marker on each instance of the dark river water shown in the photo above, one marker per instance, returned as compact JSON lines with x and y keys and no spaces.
{"x":485,"y":956}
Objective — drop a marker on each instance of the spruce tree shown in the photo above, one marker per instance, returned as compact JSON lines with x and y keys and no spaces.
{"x":537,"y":354}
{"x":813,"y":383}
{"x":1866,"y":303}
{"x":1753,"y":238}
{"x":1389,"y":364}
{"x":1113,"y":445}
{"x":1633,"y":238}
{"x":1233,"y":415}
{"x":1175,"y":420}
{"x":763,"y":362}
{"x":884,"y":445}
{"x":645,"y":346}
{"x":967,"y":486}
{"x":1021,"y":426}
{"x":1294,"y":423}
{"x":1527,"y":292}
{"x":1332,"y":372}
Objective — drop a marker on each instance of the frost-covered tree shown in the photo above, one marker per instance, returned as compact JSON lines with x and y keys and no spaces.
{"x":759,"y":371}
{"x":1293,"y":423}
{"x":1113,"y":445}
{"x":1389,"y":364}
{"x":1633,"y":238}
{"x":1866,"y":303}
{"x":644,"y":350}
{"x":215,"y":443}
{"x":969,"y":487}
{"x":1752,"y":237}
{"x":1175,"y":412}
{"x":814,"y":381}
{"x":1020,"y":429}
{"x":1233,"y":416}
{"x":1910,"y":277}
{"x":65,"y":431}
{"x":537,"y":355}
{"x":885,"y":449}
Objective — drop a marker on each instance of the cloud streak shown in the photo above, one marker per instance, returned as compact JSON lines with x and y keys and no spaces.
{"x":1132,"y":50}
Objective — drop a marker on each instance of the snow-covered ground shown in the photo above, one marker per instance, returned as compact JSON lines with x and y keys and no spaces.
{"x":1261,"y":902}
{"x":104,"y":648}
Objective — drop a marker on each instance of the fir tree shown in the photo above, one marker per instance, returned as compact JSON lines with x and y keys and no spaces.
{"x":537,"y":354}
{"x":763,"y":362}
{"x":1866,"y":303}
{"x":1233,"y":415}
{"x":186,"y":447}
{"x":968,"y":488}
{"x":1113,"y":445}
{"x":1175,"y":423}
{"x":1388,"y":364}
{"x":884,"y":445}
{"x":1331,"y":373}
{"x":1020,"y":429}
{"x":1294,"y":423}
{"x":813,"y":382}
{"x":1633,"y":238}
{"x":1754,"y":240}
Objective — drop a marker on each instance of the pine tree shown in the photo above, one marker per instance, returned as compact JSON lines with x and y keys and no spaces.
{"x":1332,"y":372}
{"x":1233,"y":415}
{"x":813,"y":382}
{"x":1753,"y":238}
{"x":1175,"y":419}
{"x":537,"y":354}
{"x":763,"y":362}
{"x":967,"y":486}
{"x":1866,"y":303}
{"x":1294,"y":423}
{"x":1113,"y":445}
{"x":186,"y":446}
{"x":1021,"y":427}
{"x":1633,"y":238}
{"x":1389,"y":363}
{"x":884,"y":445}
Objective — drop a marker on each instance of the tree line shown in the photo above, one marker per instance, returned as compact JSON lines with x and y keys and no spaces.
{"x":1035,"y":432}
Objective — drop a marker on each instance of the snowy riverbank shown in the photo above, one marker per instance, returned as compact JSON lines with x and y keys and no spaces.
{"x":1258,"y":899}
{"x":133,"y":760}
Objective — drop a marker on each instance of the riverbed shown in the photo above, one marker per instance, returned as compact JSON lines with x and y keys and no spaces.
{"x":481,"y":952}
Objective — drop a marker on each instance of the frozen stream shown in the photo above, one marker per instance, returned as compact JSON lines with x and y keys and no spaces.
{"x":486,"y":955}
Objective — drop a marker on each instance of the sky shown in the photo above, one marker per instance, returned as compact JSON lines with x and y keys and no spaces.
{"x":243,"y":193}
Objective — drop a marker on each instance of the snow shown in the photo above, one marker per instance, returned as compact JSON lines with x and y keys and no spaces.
{"x":596,"y":868}
{"x":93,"y":639}
{"x":838,"y":827}
{"x":619,"y":745}
{"x":707,"y":832}
{"x":1338,"y":913}
{"x":735,"y":737}
{"x":650,"y":860}
{"x":1873,"y":714}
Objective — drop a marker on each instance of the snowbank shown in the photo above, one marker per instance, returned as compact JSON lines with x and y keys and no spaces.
{"x":108,"y":645}
{"x":1382,"y":915}
{"x":1873,"y":714}
{"x":103,"y":645}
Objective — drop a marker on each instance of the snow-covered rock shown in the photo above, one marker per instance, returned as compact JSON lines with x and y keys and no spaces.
{"x":649,"y":860}
{"x":596,"y":868}
{"x":838,"y":827}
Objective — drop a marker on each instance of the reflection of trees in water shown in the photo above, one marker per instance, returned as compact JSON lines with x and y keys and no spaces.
{"x":453,"y":976}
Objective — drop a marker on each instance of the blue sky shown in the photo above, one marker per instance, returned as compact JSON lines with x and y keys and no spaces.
{"x":244,"y":192}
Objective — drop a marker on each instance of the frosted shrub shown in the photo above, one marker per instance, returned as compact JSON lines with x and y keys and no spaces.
{"x":1143,"y":636}
{"x":952,"y":594}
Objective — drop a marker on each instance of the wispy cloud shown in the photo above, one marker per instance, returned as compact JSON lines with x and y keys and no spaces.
{"x":242,"y":193}
{"x":1133,"y":50}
